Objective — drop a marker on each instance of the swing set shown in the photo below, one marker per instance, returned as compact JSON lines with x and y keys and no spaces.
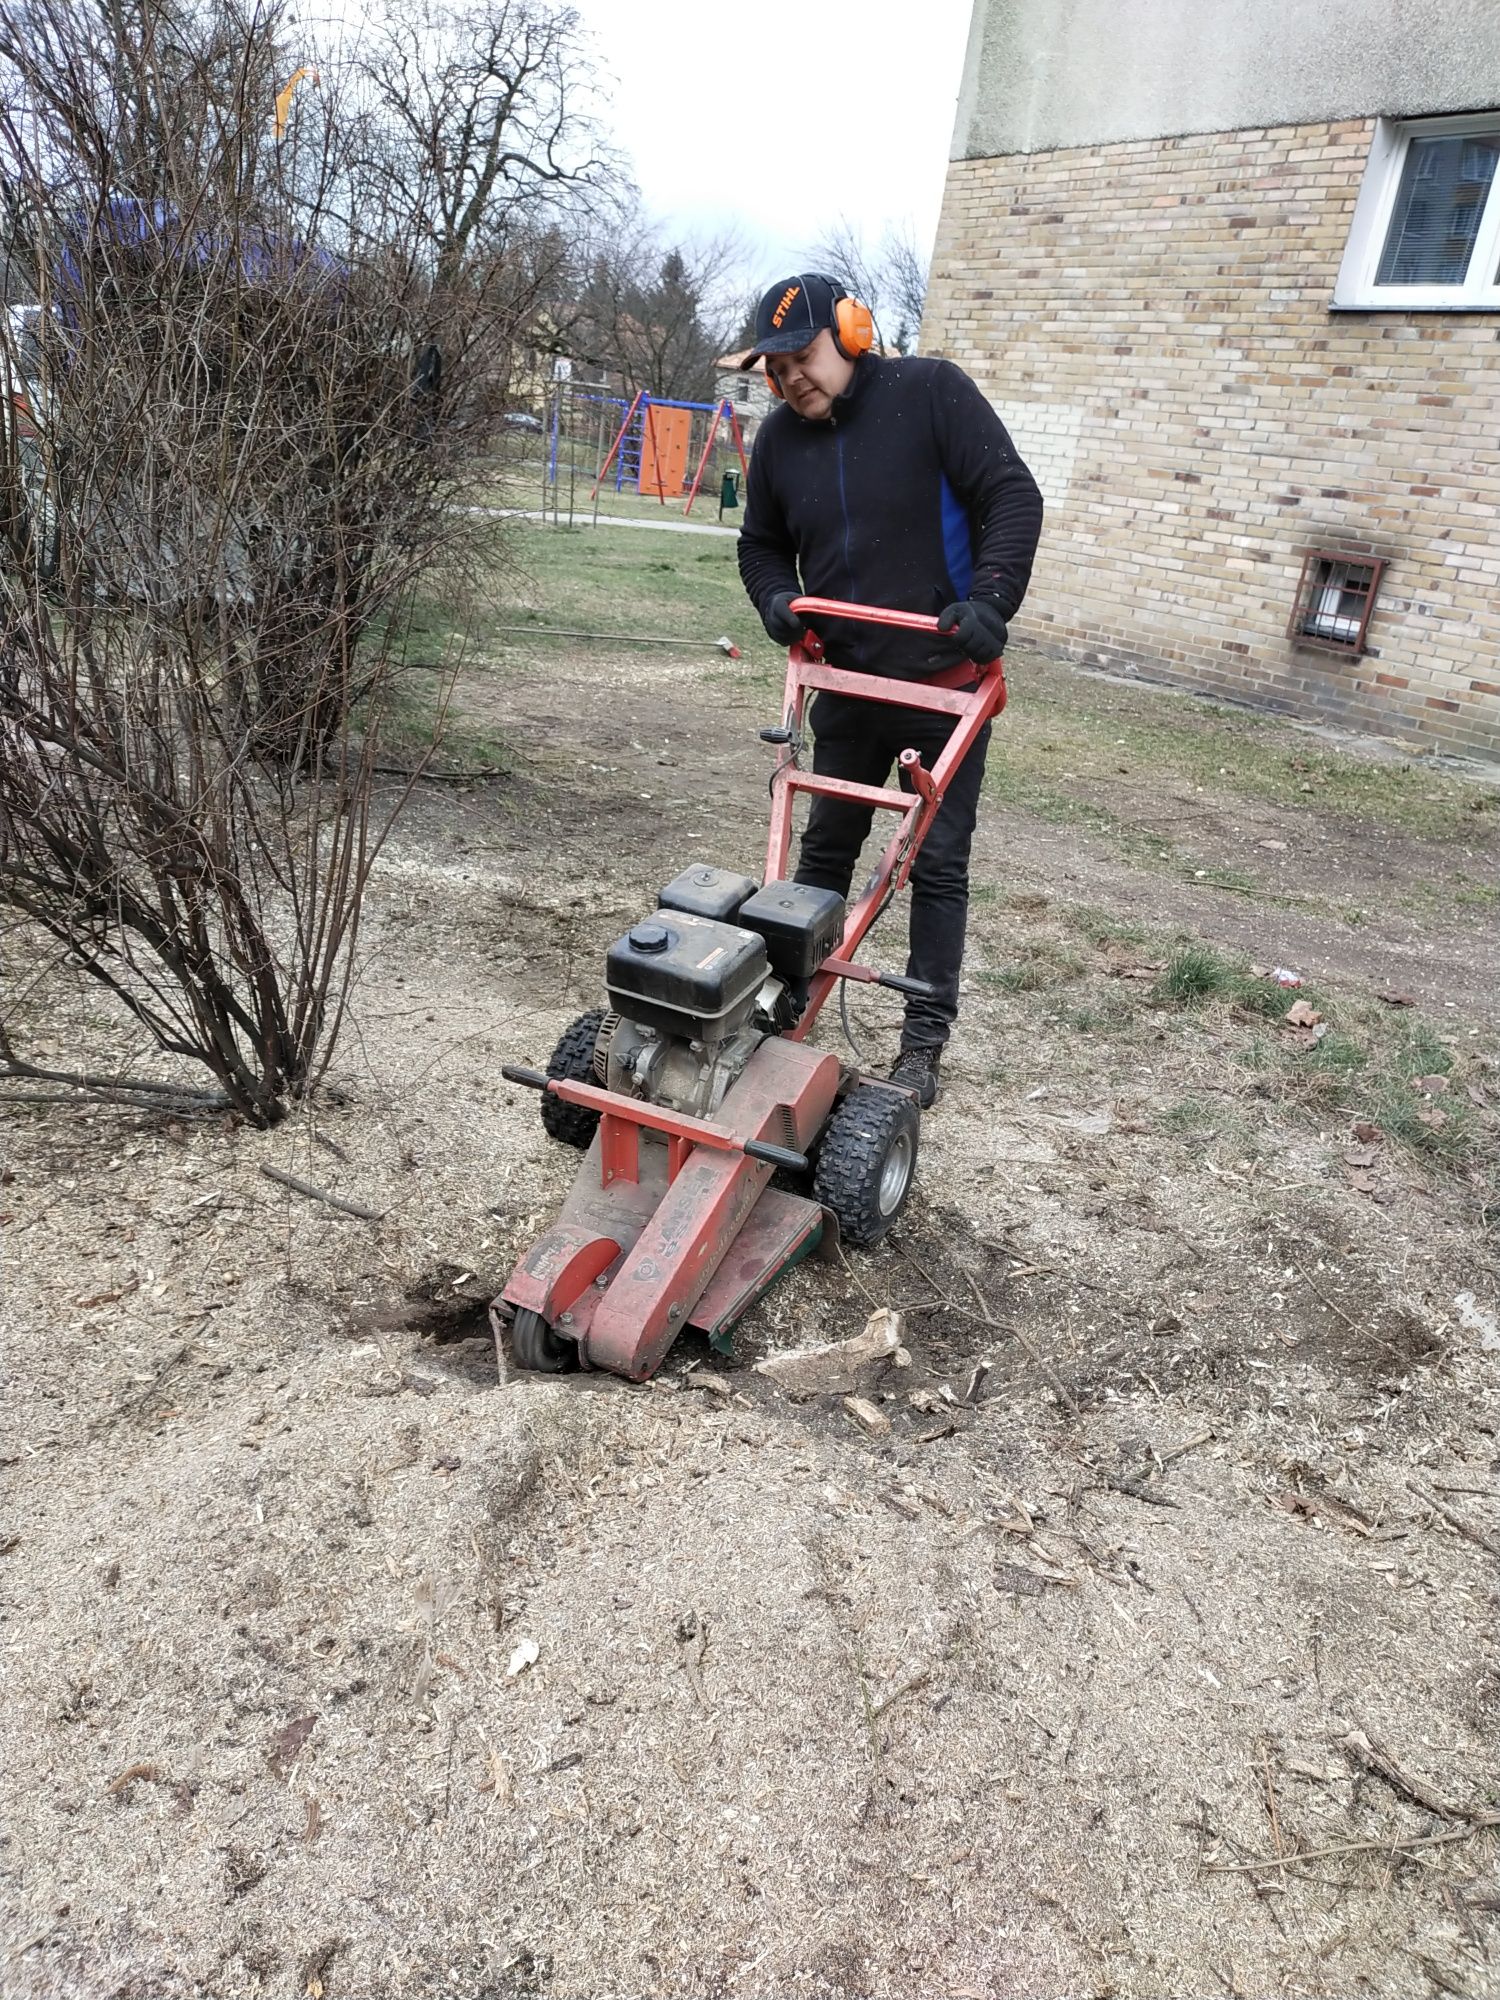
{"x":664,"y":443}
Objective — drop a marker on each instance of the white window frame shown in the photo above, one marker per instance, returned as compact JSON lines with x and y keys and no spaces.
{"x":1356,"y":290}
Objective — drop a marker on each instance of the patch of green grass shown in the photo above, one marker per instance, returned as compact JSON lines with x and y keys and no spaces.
{"x":415,"y":722}
{"x":1107,"y":1016}
{"x":1092,"y":734}
{"x":1196,"y":972}
{"x":1012,"y":784}
{"x":1102,"y":927}
{"x":1189,"y":1117}
{"x":1038,"y":964}
{"x":633,"y":582}
{"x":1366,"y":1061}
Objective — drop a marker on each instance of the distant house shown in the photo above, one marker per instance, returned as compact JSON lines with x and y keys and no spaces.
{"x":1230,"y":270}
{"x":749,"y":394}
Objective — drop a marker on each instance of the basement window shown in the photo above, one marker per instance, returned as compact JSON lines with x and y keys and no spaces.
{"x":1426,"y":229}
{"x":1335,"y":598}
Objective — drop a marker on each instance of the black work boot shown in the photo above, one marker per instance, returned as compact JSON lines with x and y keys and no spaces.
{"x":916,"y":1069}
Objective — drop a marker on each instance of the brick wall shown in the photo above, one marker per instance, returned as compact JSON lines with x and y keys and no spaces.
{"x":1151,"y":320}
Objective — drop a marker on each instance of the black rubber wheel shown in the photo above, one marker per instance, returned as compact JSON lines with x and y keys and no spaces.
{"x":868,"y":1161}
{"x":536,"y":1346}
{"x":573,"y":1058}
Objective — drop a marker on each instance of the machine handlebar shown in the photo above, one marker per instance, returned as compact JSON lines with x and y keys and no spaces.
{"x":866,"y":614}
{"x":777,"y":1156}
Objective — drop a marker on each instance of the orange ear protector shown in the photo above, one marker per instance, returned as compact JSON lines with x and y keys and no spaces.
{"x":853,"y":334}
{"x":853,"y":327}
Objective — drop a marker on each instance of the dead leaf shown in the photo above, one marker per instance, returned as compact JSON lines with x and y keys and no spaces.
{"x":1301,"y":1015}
{"x":287,"y":1743}
{"x":1397,"y":999}
{"x":314,"y":1819}
{"x":1360,"y":1156}
{"x":1431,"y":1086}
{"x":1360,"y":1179}
{"x":315,"y":1965}
{"x":1433,"y":1120}
{"x":1476,"y":1096}
{"x":1370,"y":1134}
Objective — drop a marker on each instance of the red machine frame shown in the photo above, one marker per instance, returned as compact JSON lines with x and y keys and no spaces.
{"x":652,"y":1239}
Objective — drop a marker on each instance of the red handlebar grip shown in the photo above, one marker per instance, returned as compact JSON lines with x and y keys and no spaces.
{"x":868,"y":614}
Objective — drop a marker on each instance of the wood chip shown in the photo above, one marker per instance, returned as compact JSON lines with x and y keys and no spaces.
{"x":704,"y":1378}
{"x":872,"y":1420}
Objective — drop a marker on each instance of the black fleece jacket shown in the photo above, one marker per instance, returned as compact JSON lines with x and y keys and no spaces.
{"x":909,"y":495}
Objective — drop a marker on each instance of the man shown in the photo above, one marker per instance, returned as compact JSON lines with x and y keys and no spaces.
{"x":888,"y":482}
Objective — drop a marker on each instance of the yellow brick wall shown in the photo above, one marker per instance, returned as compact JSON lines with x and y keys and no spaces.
{"x":1151,"y":320}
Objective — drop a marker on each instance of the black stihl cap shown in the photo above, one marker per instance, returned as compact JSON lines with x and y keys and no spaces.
{"x":791,"y":315}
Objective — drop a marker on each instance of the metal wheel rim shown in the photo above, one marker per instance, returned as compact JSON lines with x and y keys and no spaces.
{"x":895,"y":1175}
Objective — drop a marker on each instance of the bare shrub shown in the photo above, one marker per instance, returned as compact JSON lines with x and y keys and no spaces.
{"x":232,"y":451}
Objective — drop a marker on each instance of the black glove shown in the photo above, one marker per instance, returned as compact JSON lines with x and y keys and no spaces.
{"x":779,"y":619}
{"x":978,"y":628}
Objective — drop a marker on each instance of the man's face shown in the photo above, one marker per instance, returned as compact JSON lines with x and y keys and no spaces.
{"x":812,"y":378}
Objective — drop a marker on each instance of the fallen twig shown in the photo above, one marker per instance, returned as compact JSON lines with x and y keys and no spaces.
{"x":918,"y":1680}
{"x":1375,"y":1758}
{"x":321,"y":1194}
{"x":1275,"y":1817}
{"x":1392,"y":1847}
{"x":438,"y":777}
{"x":1321,"y":1295}
{"x":172,"y":1093}
{"x":1054,"y":1380}
{"x":1454,"y":1519}
{"x":1134,"y":1489}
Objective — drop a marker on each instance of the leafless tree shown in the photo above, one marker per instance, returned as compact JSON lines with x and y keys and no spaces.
{"x":229,"y":456}
{"x":891,"y":278}
{"x":480,"y":132}
{"x":657,"y":311}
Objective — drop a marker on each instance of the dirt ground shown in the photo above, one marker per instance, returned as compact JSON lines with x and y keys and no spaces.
{"x":1153,"y":1652}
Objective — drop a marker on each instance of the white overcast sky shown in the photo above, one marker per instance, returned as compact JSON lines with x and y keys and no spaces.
{"x":783,"y":118}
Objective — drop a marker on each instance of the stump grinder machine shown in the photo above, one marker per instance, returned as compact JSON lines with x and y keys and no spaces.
{"x":697,"y":1084}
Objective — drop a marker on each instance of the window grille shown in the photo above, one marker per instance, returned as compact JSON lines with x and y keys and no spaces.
{"x":1335,"y":597}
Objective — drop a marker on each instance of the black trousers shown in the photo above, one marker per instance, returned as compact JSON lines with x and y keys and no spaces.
{"x":859,"y":741}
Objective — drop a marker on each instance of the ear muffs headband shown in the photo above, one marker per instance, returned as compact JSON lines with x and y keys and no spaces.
{"x":853,"y":334}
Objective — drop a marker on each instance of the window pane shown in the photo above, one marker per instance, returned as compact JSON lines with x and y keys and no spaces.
{"x":1444,"y":185}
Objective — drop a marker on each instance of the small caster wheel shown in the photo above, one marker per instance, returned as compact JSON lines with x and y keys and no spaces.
{"x":536,"y":1346}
